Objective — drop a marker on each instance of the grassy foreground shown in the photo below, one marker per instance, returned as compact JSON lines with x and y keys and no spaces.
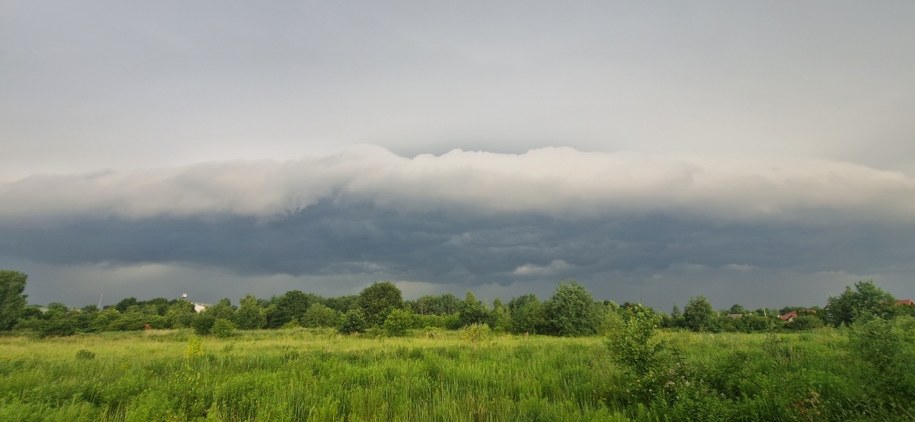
{"x":320,"y":375}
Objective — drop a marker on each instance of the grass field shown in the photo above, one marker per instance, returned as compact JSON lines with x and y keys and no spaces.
{"x":319,"y":375}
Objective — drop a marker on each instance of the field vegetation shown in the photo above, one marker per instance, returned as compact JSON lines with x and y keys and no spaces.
{"x":375,"y":356}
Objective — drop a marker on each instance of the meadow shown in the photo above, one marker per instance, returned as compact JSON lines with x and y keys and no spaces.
{"x":321,"y":375}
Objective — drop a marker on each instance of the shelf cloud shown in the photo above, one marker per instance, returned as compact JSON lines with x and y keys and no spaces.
{"x":558,"y":182}
{"x":622,"y":223}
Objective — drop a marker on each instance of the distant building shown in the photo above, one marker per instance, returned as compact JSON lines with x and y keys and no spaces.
{"x":198,"y":307}
{"x":906,"y":302}
{"x":790,"y":316}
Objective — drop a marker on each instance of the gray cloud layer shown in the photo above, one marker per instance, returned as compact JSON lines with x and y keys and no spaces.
{"x":619,"y":222}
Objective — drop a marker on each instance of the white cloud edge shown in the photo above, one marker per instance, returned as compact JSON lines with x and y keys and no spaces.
{"x":561,"y":182}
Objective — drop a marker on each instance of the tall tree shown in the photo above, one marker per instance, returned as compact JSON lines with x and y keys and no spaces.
{"x":378,"y":300}
{"x":866,"y":300}
{"x":572,"y":311}
{"x":473,"y":311}
{"x":526,"y":314}
{"x":698,"y":314}
{"x":250,"y":315}
{"x":12,"y":301}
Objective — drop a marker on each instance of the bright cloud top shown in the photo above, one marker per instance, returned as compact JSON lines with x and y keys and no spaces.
{"x":559,"y":182}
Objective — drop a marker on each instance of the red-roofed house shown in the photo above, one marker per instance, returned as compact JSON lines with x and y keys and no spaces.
{"x":790,"y":316}
{"x":906,"y":302}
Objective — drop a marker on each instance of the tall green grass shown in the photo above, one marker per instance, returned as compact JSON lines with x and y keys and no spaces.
{"x":320,"y":375}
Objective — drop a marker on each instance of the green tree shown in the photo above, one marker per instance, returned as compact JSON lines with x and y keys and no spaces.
{"x":250,"y":315}
{"x":866,"y":300}
{"x":126,"y":304}
{"x":289,"y":307}
{"x":398,"y":322}
{"x":631,"y":342}
{"x":527,"y":315}
{"x":378,"y":300}
{"x":445,"y":304}
{"x":180,"y":314}
{"x":203,"y":323}
{"x":472,"y":311}
{"x":222,"y":310}
{"x":499,"y":316}
{"x":12,"y":301}
{"x":222,"y":328}
{"x":353,"y":322}
{"x":572,"y":311}
{"x":698,"y":314}
{"x":319,"y":315}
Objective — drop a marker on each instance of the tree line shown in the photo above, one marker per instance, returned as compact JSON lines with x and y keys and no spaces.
{"x":570,"y":311}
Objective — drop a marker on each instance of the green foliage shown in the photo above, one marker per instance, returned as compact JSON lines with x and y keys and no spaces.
{"x":378,"y":300}
{"x":353,"y":322}
{"x":805,"y":322}
{"x":699,"y":315}
{"x":445,"y":304}
{"x":222,"y":310}
{"x":180,"y":314}
{"x":12,"y":301}
{"x":632,"y":343}
{"x":250,"y":315}
{"x":527,"y":315}
{"x":203,"y":323}
{"x":865,"y":301}
{"x":222,"y":328}
{"x":319,"y":315}
{"x":289,"y":307}
{"x":572,"y":311}
{"x":472,"y":311}
{"x":193,"y":348}
{"x":500,"y":316}
{"x":398,"y":322}
{"x":314,"y":375}
{"x":475,"y":333}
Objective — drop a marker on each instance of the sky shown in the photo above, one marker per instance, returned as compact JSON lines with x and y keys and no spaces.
{"x":760,"y":153}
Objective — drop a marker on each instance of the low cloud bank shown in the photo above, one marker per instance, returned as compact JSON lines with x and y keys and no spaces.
{"x":557,"y":182}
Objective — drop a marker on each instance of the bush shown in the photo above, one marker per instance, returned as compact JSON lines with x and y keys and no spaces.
{"x":84,"y":354}
{"x":805,"y":322}
{"x":222,"y":328}
{"x":882,"y":362}
{"x":475,"y":333}
{"x":398,"y":322}
{"x":572,"y":311}
{"x":319,"y":315}
{"x":353,"y":322}
{"x":203,"y":324}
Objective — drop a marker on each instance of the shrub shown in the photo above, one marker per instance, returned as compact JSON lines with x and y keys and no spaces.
{"x":805,"y":322}
{"x":84,"y":354}
{"x":319,"y":315}
{"x":398,"y":322}
{"x":882,"y":361}
{"x":203,"y":324}
{"x":475,"y":333}
{"x":193,"y":348}
{"x":222,"y":328}
{"x":353,"y":322}
{"x":631,"y":343}
{"x":572,"y":311}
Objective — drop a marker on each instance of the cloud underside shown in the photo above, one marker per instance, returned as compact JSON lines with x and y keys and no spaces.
{"x":495,"y":221}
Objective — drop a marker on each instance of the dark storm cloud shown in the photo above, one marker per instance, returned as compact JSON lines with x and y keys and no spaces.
{"x":441,"y":247}
{"x":502,"y":223}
